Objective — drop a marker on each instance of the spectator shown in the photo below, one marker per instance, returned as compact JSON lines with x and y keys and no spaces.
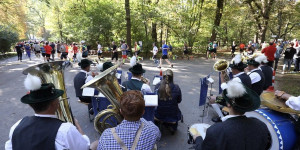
{"x":277,"y":55}
{"x":288,"y":57}
{"x":270,"y":53}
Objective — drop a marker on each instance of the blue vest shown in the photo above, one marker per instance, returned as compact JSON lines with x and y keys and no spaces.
{"x":268,"y":73}
{"x":246,"y":80}
{"x":79,"y":81}
{"x":132,"y":85}
{"x":35,"y":133}
{"x":258,"y":86}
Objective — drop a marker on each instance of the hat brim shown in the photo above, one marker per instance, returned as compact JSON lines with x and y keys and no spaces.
{"x":137,"y":71}
{"x":237,"y":67}
{"x":27,"y":99}
{"x":248,"y":102}
{"x":252,"y":62}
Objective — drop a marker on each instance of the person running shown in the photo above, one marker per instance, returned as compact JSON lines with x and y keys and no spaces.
{"x":99,"y":52}
{"x":43,"y":50}
{"x":215,"y":46}
{"x":37,"y":49}
{"x":114,"y":52}
{"x":155,"y":50}
{"x":28,"y":50}
{"x":233,"y":49}
{"x":53,"y":50}
{"x":58,"y":45}
{"x":48,"y":50}
{"x":75,"y":51}
{"x":165,"y":55}
{"x":170,"y":51}
{"x":124,"y":51}
{"x":63,"y":51}
{"x":19,"y":48}
{"x":185,"y":50}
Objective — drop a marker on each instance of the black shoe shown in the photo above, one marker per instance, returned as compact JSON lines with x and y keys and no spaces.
{"x":216,"y":119}
{"x":91,"y":111}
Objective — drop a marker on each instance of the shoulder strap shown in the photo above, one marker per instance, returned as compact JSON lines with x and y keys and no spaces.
{"x":118,"y":139}
{"x":137,"y":137}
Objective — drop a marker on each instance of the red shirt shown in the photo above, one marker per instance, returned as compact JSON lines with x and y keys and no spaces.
{"x":269,"y":52}
{"x":75,"y":49}
{"x":48,"y":49}
{"x":242,"y":46}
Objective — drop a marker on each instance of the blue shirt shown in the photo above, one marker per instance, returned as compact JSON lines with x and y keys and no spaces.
{"x":127,"y":131}
{"x":165,"y":49}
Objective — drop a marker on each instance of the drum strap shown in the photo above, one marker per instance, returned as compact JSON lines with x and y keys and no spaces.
{"x":136,"y":139}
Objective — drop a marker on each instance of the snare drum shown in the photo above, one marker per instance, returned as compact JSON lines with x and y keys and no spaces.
{"x":280,"y":125}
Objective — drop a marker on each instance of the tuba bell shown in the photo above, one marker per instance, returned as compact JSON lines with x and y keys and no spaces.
{"x":221,"y":66}
{"x":108,"y":85}
{"x":53,"y":72}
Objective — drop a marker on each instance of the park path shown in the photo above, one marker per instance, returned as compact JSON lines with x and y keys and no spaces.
{"x":187,"y":75}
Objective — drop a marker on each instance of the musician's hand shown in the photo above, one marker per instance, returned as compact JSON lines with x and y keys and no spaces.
{"x":194,"y":133}
{"x":222,"y":76}
{"x":282,"y":95}
{"x":212,"y":99}
{"x":94,"y":74}
{"x":246,"y":70}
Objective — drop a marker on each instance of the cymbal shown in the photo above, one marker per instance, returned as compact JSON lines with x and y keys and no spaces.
{"x":269,"y":100}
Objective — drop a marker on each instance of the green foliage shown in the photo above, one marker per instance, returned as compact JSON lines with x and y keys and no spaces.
{"x":7,"y":38}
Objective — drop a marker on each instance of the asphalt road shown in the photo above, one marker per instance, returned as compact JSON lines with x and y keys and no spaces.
{"x":186,"y":74}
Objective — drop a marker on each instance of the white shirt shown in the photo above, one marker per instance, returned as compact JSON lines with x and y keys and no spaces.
{"x":235,"y":78}
{"x":254,"y":76}
{"x":67,"y":137}
{"x":155,"y":50}
{"x":294,"y":103}
{"x":145,"y":87}
{"x":99,"y":48}
{"x":87,"y":75}
{"x":228,"y":116}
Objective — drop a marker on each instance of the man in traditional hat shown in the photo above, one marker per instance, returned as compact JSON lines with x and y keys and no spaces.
{"x":236,"y":131}
{"x":237,"y":67}
{"x":135,"y":83}
{"x":44,"y":131}
{"x":134,"y":132}
{"x":256,"y":75}
{"x":104,"y":66}
{"x":267,"y":71}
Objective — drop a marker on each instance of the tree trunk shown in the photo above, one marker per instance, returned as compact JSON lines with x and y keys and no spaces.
{"x":161,"y":32}
{"x":154,"y":33}
{"x":128,"y":23}
{"x":219,"y":11}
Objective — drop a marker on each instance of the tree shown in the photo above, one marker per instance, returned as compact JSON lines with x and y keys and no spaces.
{"x":219,"y":11}
{"x":128,"y":23}
{"x":7,"y":38}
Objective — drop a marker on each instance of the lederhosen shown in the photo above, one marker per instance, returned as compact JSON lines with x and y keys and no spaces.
{"x":258,"y":86}
{"x":136,"y":139}
{"x":36,"y":133}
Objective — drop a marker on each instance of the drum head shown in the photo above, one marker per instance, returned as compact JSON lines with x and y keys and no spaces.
{"x":274,"y":138}
{"x":200,"y":128}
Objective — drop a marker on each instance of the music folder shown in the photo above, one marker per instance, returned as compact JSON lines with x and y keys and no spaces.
{"x":151,"y":100}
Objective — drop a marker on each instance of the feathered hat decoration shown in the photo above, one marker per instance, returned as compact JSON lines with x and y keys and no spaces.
{"x":237,"y":59}
{"x":32,"y":82}
{"x":235,"y":89}
{"x":261,"y":58}
{"x":100,"y":66}
{"x":132,"y":61}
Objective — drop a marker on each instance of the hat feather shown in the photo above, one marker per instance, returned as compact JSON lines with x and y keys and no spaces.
{"x":32,"y":82}
{"x":235,"y":89}
{"x":79,"y":57}
{"x":132,"y":61}
{"x":261,"y":58}
{"x":237,"y":59}
{"x":100,"y":66}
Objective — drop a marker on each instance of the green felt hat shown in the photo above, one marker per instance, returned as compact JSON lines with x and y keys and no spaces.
{"x":240,"y":97}
{"x":47,"y":92}
{"x":137,"y":69}
{"x":107,"y":65}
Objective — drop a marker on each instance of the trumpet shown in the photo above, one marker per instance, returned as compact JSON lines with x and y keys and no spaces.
{"x":145,"y":80}
{"x":221,"y":66}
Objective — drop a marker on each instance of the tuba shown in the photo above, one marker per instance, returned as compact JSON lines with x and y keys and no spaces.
{"x":221,"y":66}
{"x":53,"y":72}
{"x":108,"y":85}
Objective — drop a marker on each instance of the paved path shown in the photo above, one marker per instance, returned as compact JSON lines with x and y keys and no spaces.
{"x":187,"y":75}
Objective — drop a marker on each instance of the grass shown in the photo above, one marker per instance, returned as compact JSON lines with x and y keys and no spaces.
{"x":7,"y":55}
{"x":290,"y":83}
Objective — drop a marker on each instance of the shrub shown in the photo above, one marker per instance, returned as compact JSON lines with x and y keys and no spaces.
{"x":7,"y":38}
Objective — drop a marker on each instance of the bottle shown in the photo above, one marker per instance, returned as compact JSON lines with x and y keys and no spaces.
{"x":160,"y":72}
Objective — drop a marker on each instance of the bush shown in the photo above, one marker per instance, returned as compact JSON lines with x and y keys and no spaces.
{"x":7,"y":38}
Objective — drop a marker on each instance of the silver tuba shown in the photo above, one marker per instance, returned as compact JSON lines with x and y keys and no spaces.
{"x":53,"y":72}
{"x":108,"y":85}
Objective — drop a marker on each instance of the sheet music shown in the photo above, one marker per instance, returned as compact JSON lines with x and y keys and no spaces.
{"x":156,"y":80}
{"x":151,"y":100}
{"x":100,"y":95}
{"x":88,"y":91}
{"x":118,"y":75}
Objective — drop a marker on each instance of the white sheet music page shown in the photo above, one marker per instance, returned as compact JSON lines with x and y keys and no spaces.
{"x":156,"y":80}
{"x":151,"y":100}
{"x":88,"y":91}
{"x":118,"y":75}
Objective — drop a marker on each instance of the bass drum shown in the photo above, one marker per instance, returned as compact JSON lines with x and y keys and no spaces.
{"x":280,"y":125}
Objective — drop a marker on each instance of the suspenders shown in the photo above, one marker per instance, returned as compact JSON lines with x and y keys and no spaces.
{"x":136,"y":139}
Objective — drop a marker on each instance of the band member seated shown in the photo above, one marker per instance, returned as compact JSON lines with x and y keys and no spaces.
{"x":134,"y":132}
{"x":104,"y":66}
{"x":169,"y":96}
{"x":267,"y":71}
{"x":256,"y":75}
{"x":135,"y":83}
{"x":44,"y":131}
{"x":81,"y":78}
{"x":236,"y":131}
{"x":237,"y":67}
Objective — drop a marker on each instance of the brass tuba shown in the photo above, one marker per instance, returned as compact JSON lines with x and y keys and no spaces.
{"x":108,"y":85}
{"x":221,"y":66}
{"x":53,"y":72}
